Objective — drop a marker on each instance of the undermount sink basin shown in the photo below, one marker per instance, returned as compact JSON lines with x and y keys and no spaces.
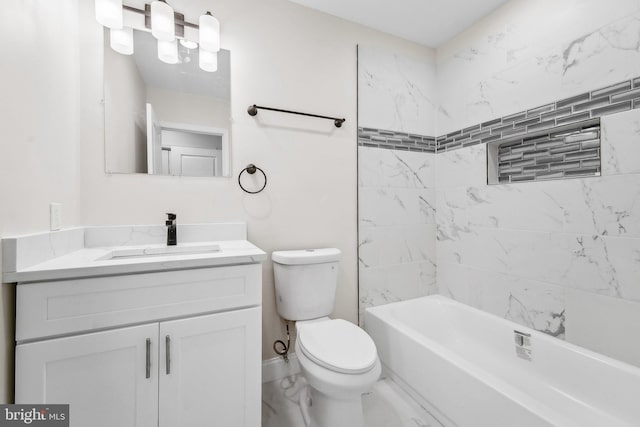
{"x":159,"y":251}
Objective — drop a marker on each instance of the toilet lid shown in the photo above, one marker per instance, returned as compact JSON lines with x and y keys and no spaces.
{"x":338,"y":345}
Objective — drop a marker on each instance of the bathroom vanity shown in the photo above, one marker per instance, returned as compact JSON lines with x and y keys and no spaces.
{"x":131,"y":332}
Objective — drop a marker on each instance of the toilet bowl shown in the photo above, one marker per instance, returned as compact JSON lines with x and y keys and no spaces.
{"x":340,"y":363}
{"x":338,"y":359}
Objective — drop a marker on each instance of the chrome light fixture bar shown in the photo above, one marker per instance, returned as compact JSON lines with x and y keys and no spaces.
{"x":167,"y":26}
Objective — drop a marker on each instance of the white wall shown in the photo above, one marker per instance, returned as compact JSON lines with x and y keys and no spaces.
{"x":40,"y":118}
{"x":125,"y":111}
{"x":180,"y":107}
{"x":558,"y":256}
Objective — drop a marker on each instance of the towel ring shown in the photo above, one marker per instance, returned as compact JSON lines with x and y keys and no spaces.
{"x":251,"y":169}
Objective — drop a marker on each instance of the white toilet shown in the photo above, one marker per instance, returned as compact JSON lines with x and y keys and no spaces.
{"x":338,"y":359}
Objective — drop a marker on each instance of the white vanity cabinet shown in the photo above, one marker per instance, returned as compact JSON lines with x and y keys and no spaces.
{"x":101,"y":375}
{"x":208,"y":378}
{"x":170,"y":349}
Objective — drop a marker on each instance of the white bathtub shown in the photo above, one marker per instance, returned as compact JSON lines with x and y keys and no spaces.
{"x":461,"y":363}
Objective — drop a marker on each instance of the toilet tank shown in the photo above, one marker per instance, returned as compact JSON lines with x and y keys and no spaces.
{"x":305,"y":282}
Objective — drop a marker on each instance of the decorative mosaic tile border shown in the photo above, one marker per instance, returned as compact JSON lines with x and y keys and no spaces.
{"x":612,"y":99}
{"x":390,"y":140}
{"x":609,"y":100}
{"x":571,"y":151}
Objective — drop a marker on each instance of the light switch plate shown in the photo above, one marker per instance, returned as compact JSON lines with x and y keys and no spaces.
{"x":55,"y":216}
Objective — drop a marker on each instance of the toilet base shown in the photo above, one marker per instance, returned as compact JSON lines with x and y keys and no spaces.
{"x":326,"y":411}
{"x":336,"y":398}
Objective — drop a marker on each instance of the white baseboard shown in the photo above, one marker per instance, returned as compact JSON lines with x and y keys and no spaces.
{"x":277,"y":368}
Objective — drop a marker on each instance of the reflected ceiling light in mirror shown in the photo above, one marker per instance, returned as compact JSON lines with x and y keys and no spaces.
{"x":166,"y":26}
{"x":168,"y":51}
{"x":188,"y":44}
{"x":109,"y":13}
{"x":163,"y":24}
{"x":209,"y":33}
{"x":121,"y":40}
{"x":208,"y":61}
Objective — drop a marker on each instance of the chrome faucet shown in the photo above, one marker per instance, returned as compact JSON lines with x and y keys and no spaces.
{"x":172,"y":230}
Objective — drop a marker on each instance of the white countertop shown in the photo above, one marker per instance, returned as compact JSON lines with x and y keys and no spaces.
{"x":88,"y":263}
{"x":77,"y":253}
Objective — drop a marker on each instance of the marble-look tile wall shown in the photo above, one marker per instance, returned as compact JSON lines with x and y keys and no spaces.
{"x":527,"y":54}
{"x":529,"y":252}
{"x":396,"y":92}
{"x":396,"y":205}
{"x":559,"y":256}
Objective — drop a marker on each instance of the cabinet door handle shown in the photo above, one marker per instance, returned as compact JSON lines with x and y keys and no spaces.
{"x":148,"y":359}
{"x":168,"y":353}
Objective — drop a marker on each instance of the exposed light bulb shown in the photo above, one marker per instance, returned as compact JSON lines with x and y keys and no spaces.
{"x":209,"y":33}
{"x":168,"y":51}
{"x":163,"y":26}
{"x":109,"y":13}
{"x":121,"y":40}
{"x":208,"y":61}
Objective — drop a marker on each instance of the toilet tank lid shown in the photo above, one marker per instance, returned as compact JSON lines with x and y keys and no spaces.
{"x":306,"y":256}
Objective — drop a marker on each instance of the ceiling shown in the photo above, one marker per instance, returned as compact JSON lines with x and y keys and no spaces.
{"x":428,"y":22}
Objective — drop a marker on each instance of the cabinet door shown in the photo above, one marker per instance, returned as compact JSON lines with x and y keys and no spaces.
{"x":103,"y":376}
{"x":210,"y":370}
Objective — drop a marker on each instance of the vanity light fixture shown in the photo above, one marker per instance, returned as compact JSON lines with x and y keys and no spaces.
{"x":168,"y":51}
{"x":209,"y":33}
{"x":208,"y":61}
{"x":109,"y":13}
{"x":121,"y":40}
{"x":163,"y":24}
{"x":166,"y":25}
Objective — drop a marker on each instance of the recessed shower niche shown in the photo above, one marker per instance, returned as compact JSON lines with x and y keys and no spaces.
{"x":571,"y":151}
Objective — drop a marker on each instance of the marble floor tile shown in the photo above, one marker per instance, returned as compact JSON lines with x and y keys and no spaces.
{"x":280,"y":406}
{"x":385,"y":406}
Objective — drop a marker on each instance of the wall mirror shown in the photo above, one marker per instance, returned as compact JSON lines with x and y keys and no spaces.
{"x":165,"y":119}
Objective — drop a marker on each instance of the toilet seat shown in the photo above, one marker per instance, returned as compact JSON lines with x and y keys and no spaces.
{"x":339,"y":346}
